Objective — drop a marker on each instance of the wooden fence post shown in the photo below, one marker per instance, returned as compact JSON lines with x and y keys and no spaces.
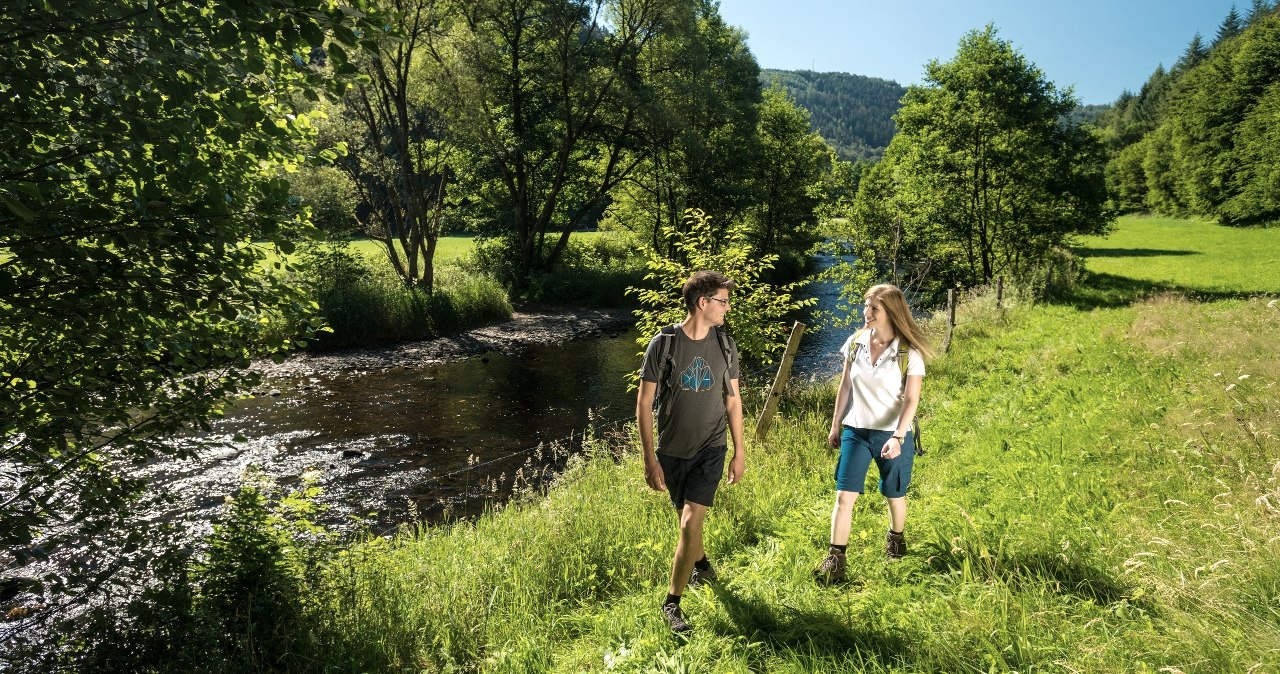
{"x":951,"y":320}
{"x":779,"y":381}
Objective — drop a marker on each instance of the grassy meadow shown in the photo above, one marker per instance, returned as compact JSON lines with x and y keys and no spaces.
{"x":1196,"y":255}
{"x":448,"y":248}
{"x":1101,"y":494}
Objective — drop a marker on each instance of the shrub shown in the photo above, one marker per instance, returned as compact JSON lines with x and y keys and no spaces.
{"x":363,"y":303}
{"x":594,"y":271}
{"x":756,"y":321}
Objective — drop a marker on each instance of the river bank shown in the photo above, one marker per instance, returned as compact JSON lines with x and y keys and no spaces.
{"x":528,"y":325}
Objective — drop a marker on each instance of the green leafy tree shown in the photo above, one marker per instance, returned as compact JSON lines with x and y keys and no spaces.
{"x":1230,"y":27}
{"x":985,"y":177}
{"x":1257,"y":10}
{"x":790,"y":178}
{"x":330,"y":195}
{"x":398,"y":159}
{"x":1256,"y":183}
{"x":1211,"y":157}
{"x":1163,"y":191}
{"x":547,"y":99}
{"x":757,"y":321}
{"x":702,"y":150}
{"x":1126,"y":181}
{"x":1193,"y":55}
{"x":141,"y":185}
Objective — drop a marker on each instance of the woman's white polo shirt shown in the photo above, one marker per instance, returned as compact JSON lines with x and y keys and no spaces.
{"x":876,"y":388}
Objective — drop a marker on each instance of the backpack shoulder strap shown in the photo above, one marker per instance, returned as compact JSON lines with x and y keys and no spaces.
{"x":667,"y":362}
{"x":727,"y":350}
{"x":853,"y":342}
{"x":726,"y":347}
{"x":904,"y":361}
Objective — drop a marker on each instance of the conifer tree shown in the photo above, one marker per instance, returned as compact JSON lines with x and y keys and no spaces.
{"x":1231,"y":27}
{"x":1257,"y":10}
{"x":1193,"y":55}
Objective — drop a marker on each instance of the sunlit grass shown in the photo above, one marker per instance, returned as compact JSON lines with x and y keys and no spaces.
{"x":1102,"y":494}
{"x":1189,"y":253}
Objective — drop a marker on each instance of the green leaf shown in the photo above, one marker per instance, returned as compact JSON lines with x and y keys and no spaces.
{"x":17,"y":208}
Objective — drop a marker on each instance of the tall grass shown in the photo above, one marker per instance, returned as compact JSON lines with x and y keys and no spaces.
{"x":1095,"y":500}
{"x":364,"y":303}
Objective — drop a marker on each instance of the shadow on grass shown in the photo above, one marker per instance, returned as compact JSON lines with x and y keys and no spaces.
{"x":1108,"y":291}
{"x":1133,"y":252}
{"x":822,"y":633}
{"x":1065,"y":577}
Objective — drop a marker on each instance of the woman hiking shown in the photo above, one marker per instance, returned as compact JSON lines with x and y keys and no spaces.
{"x":872,"y":421}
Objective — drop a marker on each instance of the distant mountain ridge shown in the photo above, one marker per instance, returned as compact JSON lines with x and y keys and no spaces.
{"x":852,"y":112}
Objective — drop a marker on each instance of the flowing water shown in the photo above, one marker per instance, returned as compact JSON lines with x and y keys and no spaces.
{"x":419,"y":442}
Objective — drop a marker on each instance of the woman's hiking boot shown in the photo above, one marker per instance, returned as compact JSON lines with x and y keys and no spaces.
{"x":831,"y":570}
{"x":895,"y":545}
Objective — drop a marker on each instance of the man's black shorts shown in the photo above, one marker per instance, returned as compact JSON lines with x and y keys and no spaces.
{"x":695,"y":478}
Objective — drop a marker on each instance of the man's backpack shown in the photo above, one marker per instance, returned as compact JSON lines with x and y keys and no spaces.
{"x":668,"y":359}
{"x":904,"y":356}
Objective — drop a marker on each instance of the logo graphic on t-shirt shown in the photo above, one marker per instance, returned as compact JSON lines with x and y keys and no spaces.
{"x":696,"y":377}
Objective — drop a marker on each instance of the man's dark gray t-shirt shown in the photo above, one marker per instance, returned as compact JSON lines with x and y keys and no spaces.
{"x":691,"y":410}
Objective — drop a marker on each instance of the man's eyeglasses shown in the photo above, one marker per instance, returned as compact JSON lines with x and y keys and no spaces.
{"x":724,"y":303}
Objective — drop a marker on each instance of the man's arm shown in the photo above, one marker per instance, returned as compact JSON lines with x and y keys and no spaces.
{"x":733,"y":405}
{"x":644,"y":421}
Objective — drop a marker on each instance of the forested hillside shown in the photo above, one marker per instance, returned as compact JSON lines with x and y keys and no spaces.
{"x":1200,"y":137}
{"x":853,"y":113}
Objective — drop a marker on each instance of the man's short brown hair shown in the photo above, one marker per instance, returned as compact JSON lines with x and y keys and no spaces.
{"x":704,"y":284}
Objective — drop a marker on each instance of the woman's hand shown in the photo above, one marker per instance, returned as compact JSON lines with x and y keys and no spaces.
{"x":892,"y":448}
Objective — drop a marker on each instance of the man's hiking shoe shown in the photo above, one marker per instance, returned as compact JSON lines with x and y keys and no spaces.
{"x":675,"y":620}
{"x":895,"y":545}
{"x":831,"y":570}
{"x":700,"y":576}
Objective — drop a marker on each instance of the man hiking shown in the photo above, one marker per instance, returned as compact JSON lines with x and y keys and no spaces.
{"x":692,"y":369}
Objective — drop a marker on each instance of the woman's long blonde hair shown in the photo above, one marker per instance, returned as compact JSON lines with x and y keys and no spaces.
{"x":895,"y":304}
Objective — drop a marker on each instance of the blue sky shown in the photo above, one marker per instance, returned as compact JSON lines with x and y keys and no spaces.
{"x":1102,"y":47}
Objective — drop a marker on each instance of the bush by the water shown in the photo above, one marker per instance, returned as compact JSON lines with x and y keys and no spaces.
{"x":593,"y":271}
{"x":364,"y":302}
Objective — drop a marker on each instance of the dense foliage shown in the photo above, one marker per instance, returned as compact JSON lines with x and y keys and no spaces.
{"x":985,"y":177}
{"x":854,"y":113}
{"x":141,"y":184}
{"x":705,"y":152}
{"x":522,"y":122}
{"x":757,"y":318}
{"x":1200,"y":138}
